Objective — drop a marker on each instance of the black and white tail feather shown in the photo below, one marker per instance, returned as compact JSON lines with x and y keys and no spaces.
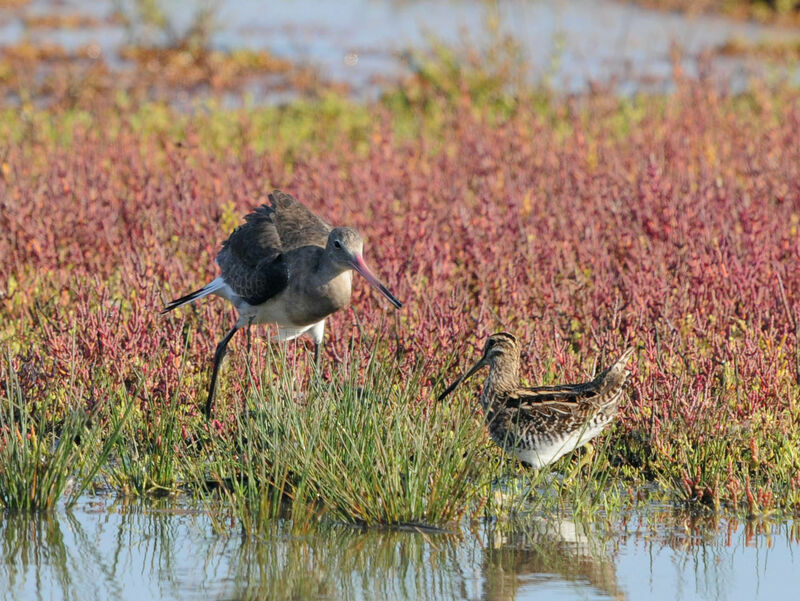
{"x":215,"y":287}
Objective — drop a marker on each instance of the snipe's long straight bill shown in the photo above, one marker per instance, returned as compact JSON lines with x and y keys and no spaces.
{"x":361,"y":267}
{"x":455,"y":384}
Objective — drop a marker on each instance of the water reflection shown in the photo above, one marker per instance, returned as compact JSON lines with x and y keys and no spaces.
{"x":36,"y":545}
{"x":542,"y":551}
{"x":164,"y":550}
{"x":96,"y":552}
{"x":571,"y":45}
{"x":339,"y":562}
{"x":705,"y":557}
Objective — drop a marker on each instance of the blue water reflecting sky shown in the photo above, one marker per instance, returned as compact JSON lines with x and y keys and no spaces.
{"x":568,"y":43}
{"x":106,"y":550}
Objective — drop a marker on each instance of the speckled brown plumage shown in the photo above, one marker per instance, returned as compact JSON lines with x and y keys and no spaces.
{"x":540,"y":424}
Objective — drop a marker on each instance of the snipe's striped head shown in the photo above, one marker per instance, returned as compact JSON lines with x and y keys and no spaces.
{"x":498,"y":347}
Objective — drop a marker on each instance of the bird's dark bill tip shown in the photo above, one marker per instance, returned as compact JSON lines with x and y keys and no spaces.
{"x":392,"y":298}
{"x":465,"y":376}
{"x":449,"y":389}
{"x":361,"y":267}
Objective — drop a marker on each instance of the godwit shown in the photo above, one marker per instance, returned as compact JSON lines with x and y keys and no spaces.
{"x":540,"y":424}
{"x":288,"y":267}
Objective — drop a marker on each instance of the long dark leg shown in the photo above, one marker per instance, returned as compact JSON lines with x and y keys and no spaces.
{"x":317,"y":354}
{"x":249,"y":363}
{"x":218,"y":355}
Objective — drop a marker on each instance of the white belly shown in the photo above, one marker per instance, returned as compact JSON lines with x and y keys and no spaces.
{"x":274,"y":312}
{"x":547,"y":454}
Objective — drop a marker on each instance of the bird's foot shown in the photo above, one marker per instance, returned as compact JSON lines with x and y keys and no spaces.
{"x":583,"y":461}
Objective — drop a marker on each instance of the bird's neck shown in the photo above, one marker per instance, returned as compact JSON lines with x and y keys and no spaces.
{"x":503,"y":375}
{"x":328,"y":269}
{"x":330,"y":285}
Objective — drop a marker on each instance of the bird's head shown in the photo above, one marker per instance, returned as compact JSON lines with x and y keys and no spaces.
{"x":345,"y":247}
{"x":499,"y":349}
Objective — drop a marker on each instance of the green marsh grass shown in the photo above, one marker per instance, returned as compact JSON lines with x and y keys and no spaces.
{"x":151,"y":456}
{"x":146,"y":457}
{"x":376,"y":449}
{"x":370,"y":449}
{"x":47,"y":450}
{"x":291,"y":569}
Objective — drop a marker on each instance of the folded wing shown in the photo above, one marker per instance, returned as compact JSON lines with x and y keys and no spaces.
{"x":605,"y":389}
{"x":252,"y":258}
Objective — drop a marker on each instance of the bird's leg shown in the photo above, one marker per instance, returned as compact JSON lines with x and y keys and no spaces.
{"x":585,"y":460}
{"x":248,"y":364}
{"x":218,"y":355}
{"x":317,"y":354}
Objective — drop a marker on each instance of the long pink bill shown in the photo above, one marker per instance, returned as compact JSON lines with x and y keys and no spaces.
{"x":361,"y":267}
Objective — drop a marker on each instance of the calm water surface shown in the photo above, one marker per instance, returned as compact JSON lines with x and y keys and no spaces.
{"x":569,"y":43}
{"x":105,"y":550}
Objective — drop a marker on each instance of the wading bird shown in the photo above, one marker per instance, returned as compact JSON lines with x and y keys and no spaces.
{"x":540,"y":424}
{"x":288,"y":267}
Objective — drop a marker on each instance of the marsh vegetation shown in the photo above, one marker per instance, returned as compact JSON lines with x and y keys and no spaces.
{"x":579,"y":222}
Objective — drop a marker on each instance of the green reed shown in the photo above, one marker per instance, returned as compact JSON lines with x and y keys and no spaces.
{"x":151,"y":451}
{"x":376,"y":453}
{"x":47,"y":448}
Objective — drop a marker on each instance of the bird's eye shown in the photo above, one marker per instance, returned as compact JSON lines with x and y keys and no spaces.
{"x":337,"y":244}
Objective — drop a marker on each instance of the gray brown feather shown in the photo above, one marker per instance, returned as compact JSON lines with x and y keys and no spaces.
{"x":251,"y":258}
{"x":295,"y":225}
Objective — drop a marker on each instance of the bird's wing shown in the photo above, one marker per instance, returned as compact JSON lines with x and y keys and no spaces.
{"x":294,"y":224}
{"x":605,"y":389}
{"x":565,"y":394}
{"x":251,"y":258}
{"x":522,"y":421}
{"x":253,"y":241}
{"x":255,"y":284}
{"x":608,"y":385}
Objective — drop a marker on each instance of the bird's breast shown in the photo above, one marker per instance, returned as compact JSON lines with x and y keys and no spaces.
{"x":312,"y":301}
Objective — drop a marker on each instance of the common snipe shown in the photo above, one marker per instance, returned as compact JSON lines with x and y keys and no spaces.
{"x":540,"y":424}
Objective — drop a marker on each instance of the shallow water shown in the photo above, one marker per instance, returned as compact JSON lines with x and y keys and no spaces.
{"x":164,"y":550}
{"x":570,"y":44}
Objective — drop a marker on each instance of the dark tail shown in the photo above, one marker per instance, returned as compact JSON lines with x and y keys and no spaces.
{"x":193,"y":296}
